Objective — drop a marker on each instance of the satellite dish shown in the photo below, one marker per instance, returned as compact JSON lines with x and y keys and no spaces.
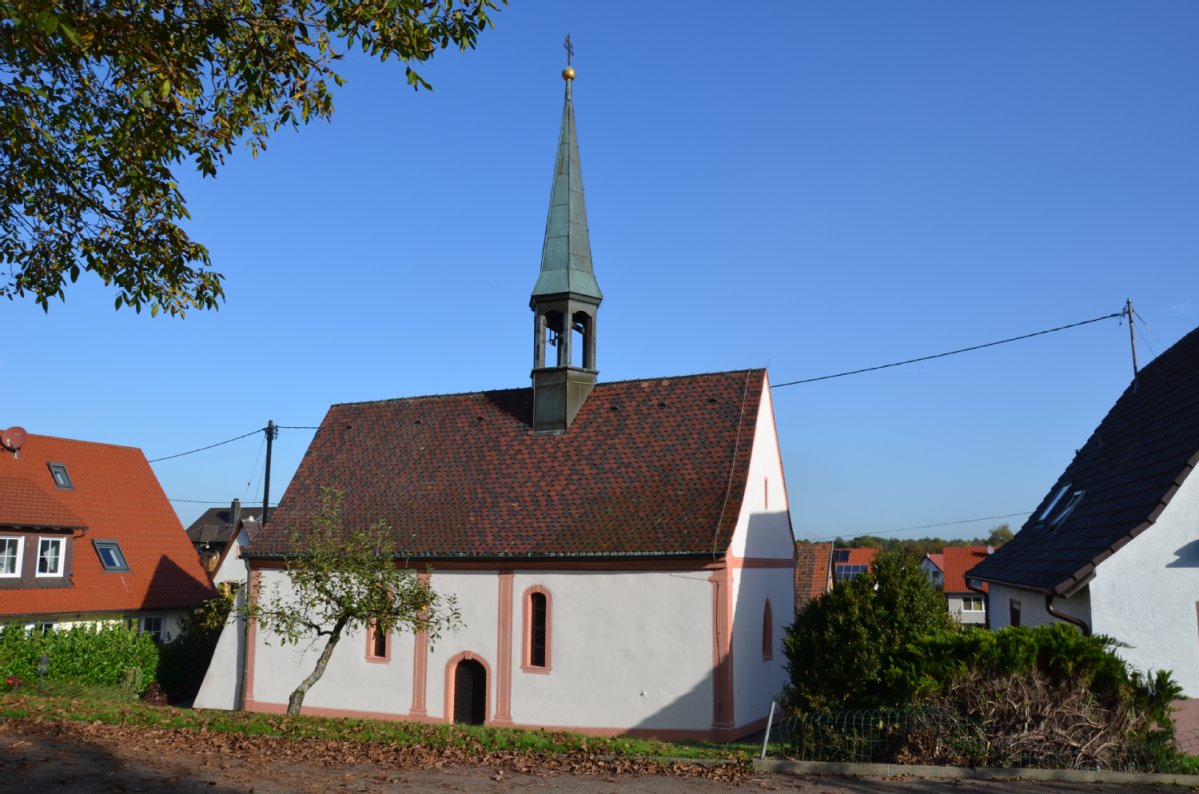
{"x":13,"y":438}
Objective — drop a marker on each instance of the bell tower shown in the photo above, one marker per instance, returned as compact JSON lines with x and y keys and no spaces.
{"x":566,"y":298}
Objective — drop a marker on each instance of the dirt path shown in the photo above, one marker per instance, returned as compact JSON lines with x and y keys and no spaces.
{"x":41,"y":756}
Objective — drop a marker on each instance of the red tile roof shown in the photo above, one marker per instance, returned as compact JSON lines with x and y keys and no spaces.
{"x":958,"y":560}
{"x":25,"y":506}
{"x":648,"y":468}
{"x":117,"y":497}
{"x":1119,"y":482}
{"x":811,"y":571}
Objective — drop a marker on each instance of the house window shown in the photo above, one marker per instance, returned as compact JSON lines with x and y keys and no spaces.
{"x":10,"y":557}
{"x":973,"y":604}
{"x":1013,"y":613}
{"x":111,"y":556}
{"x":151,"y":626}
{"x":537,"y":630}
{"x":61,"y":478}
{"x":50,"y":556}
{"x":767,"y":632}
{"x":1057,"y":497}
{"x":378,"y":644}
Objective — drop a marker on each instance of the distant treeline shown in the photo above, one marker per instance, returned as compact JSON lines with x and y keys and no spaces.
{"x":997,"y":537}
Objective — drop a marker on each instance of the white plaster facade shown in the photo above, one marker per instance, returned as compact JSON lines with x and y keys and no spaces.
{"x":667,"y":648}
{"x":1146,"y":595}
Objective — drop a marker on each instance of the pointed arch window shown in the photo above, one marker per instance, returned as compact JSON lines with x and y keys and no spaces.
{"x":767,"y":632}
{"x":535,"y":656}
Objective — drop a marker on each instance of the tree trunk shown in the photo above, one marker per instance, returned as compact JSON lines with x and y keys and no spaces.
{"x":296,"y":700}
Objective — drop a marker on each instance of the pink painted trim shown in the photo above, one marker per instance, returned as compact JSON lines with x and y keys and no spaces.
{"x":450,"y":667}
{"x":666,"y":734}
{"x":503,"y":683}
{"x":247,"y":694}
{"x":526,"y":654}
{"x":722,"y":689}
{"x":759,"y":562}
{"x":370,"y":646}
{"x":420,"y":665}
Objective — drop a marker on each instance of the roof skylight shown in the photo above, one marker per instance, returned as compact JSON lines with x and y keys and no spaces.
{"x":111,"y":556}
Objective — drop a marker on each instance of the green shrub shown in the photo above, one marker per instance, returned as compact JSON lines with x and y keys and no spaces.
{"x":101,"y":653}
{"x":845,"y":650}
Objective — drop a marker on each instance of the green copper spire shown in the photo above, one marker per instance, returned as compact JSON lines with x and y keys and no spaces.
{"x":566,"y":254}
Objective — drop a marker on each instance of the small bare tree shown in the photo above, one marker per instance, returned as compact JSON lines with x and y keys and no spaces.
{"x":343,"y":579}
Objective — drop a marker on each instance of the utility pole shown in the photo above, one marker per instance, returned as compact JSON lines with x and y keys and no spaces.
{"x":271,"y":431}
{"x":1132,"y":340}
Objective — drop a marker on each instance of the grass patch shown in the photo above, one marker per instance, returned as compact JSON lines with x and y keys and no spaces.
{"x":113,"y":706}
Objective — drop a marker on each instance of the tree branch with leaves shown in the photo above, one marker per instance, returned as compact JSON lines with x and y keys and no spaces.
{"x":102,"y":100}
{"x":340,"y":580}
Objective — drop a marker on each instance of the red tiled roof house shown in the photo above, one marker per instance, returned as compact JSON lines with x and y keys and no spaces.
{"x":621,"y":552}
{"x":86,"y":534}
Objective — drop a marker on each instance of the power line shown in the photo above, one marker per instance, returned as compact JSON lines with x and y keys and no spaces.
{"x":950,"y":353}
{"x":239,"y":438}
{"x":206,"y":501}
{"x":932,"y":526}
{"x":210,"y":446}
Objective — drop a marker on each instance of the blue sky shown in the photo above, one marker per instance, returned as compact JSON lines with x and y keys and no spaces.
{"x":809,"y":186}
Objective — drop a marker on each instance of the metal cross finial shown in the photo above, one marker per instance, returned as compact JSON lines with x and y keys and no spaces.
{"x":570,"y":50}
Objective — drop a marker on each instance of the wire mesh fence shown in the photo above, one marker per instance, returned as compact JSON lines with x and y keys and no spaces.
{"x":937,"y":736}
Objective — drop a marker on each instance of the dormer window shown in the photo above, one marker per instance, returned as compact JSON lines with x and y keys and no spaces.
{"x":61,"y":478}
{"x":111,"y":556}
{"x":50,"y":554}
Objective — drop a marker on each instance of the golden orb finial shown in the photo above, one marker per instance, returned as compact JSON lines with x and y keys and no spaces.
{"x":568,"y":73}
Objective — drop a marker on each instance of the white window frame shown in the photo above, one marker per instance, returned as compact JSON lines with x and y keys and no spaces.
{"x":62,"y":557}
{"x":144,"y":628}
{"x":969,"y":601}
{"x":20,"y":556}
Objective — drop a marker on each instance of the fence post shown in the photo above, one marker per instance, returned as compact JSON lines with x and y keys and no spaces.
{"x":769,"y":723}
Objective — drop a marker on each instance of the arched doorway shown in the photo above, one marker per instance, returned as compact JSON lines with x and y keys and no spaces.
{"x":470,"y":692}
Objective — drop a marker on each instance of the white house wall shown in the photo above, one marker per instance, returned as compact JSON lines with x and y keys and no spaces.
{"x":1147,"y":593}
{"x":1032,"y":606}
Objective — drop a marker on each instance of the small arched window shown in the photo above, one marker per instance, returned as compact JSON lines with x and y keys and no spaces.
{"x":536,"y":655}
{"x":767,"y":632}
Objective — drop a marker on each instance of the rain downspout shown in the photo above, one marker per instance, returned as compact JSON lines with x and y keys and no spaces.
{"x":1052,"y":610}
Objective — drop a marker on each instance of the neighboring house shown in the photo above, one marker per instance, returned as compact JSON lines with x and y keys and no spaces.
{"x":934,"y":566}
{"x":820,"y":566}
{"x":622,"y":552}
{"x":965,"y":596}
{"x":1114,"y":546}
{"x":213,"y":533}
{"x":87,"y":534}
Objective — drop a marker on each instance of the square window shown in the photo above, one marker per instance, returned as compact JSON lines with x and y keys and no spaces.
{"x":61,"y":478}
{"x":10,"y":557}
{"x":151,"y":626}
{"x":50,"y":553}
{"x":111,"y":556}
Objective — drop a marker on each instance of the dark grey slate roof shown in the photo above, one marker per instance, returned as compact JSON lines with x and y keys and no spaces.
{"x":1120,"y":481}
{"x":215,"y":525}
